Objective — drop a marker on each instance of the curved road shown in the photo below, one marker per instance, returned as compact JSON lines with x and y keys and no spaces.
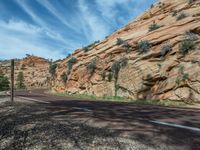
{"x":177,"y":126}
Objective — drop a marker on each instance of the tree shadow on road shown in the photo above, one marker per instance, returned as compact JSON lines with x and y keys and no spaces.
{"x":90,"y":125}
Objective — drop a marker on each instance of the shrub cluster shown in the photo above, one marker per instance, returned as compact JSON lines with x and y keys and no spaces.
{"x":115,"y":69}
{"x":4,"y":83}
{"x":71,"y":62}
{"x":181,"y":16}
{"x":20,"y":81}
{"x":185,"y":46}
{"x":191,"y":36}
{"x":52,"y":68}
{"x":143,"y":46}
{"x":64,"y":77}
{"x":120,"y":41}
{"x":153,"y":27}
{"x":117,"y":66}
{"x":23,"y":66}
{"x":166,"y":48}
{"x":91,"y":66}
{"x":87,"y":48}
{"x":188,"y":43}
{"x":110,"y":76}
{"x":124,"y":44}
{"x":174,"y":13}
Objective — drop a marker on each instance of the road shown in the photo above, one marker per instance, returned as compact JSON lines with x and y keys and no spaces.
{"x":177,"y":126}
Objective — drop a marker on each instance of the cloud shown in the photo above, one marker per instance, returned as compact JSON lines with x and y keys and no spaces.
{"x":94,"y":27}
{"x":107,"y":7}
{"x":48,"y":30}
{"x":20,"y":26}
{"x":20,"y":38}
{"x":52,"y":29}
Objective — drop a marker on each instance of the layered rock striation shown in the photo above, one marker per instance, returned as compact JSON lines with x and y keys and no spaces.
{"x":157,"y":56}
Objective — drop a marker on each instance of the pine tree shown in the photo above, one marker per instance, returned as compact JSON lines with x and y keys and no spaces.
{"x":4,"y":83}
{"x":20,"y":81}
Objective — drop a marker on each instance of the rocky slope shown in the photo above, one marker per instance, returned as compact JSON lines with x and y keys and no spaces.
{"x":35,"y":71}
{"x":165,"y":65}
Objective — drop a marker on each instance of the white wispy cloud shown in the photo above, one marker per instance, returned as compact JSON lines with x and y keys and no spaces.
{"x":20,"y":38}
{"x":58,"y":14}
{"x":94,"y":27}
{"x":49,"y":31}
{"x":20,"y":26}
{"x":59,"y":28}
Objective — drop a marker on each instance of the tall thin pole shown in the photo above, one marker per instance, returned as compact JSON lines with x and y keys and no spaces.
{"x":12,"y":80}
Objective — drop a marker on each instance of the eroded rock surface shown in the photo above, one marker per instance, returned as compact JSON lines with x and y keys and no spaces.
{"x":149,"y":75}
{"x":35,"y":71}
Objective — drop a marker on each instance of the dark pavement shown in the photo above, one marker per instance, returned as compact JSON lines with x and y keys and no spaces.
{"x":176,"y":126}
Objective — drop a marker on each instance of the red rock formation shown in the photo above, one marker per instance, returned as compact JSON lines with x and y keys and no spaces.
{"x":35,"y":70}
{"x":148,"y":75}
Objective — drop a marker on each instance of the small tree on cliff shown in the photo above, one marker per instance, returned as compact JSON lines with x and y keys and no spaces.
{"x":52,"y":68}
{"x":4,"y":83}
{"x":20,"y":81}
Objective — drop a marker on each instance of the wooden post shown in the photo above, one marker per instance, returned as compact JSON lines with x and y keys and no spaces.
{"x":12,"y":80}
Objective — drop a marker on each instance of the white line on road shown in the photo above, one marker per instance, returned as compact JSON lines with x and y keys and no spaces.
{"x":31,"y":99}
{"x":84,"y":109}
{"x":177,"y":125}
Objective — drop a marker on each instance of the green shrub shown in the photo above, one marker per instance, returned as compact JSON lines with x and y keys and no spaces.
{"x":110,"y":76}
{"x":86,"y":49}
{"x":185,"y":46}
{"x":166,"y":48}
{"x":178,"y":81}
{"x":20,"y":81}
{"x":123,"y":62}
{"x":23,"y":66}
{"x":119,"y":41}
{"x":185,"y":76}
{"x":64,"y":77}
{"x":52,"y":68}
{"x":174,"y":13}
{"x":71,"y":62}
{"x":126,"y":46}
{"x":115,"y":69}
{"x":4,"y":83}
{"x":143,"y":46}
{"x":181,"y":16}
{"x":191,"y":36}
{"x":91,"y":66}
{"x":153,"y":27}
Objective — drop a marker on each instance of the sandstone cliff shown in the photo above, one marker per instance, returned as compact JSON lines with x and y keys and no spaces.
{"x":35,"y":71}
{"x":157,"y":56}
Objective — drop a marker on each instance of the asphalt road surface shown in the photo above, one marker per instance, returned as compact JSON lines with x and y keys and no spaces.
{"x":181,"y":127}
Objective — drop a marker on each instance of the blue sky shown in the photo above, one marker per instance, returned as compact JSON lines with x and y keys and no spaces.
{"x":54,"y":28}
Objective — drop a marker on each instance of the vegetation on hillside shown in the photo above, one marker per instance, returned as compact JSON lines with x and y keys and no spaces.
{"x":4,"y":83}
{"x":91,"y":66}
{"x":143,"y":46}
{"x":71,"y":62}
{"x":153,"y":27}
{"x":52,"y":68}
{"x":64,"y":77}
{"x":20,"y":81}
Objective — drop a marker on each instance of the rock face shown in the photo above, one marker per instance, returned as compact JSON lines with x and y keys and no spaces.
{"x":157,"y":68}
{"x":35,"y":71}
